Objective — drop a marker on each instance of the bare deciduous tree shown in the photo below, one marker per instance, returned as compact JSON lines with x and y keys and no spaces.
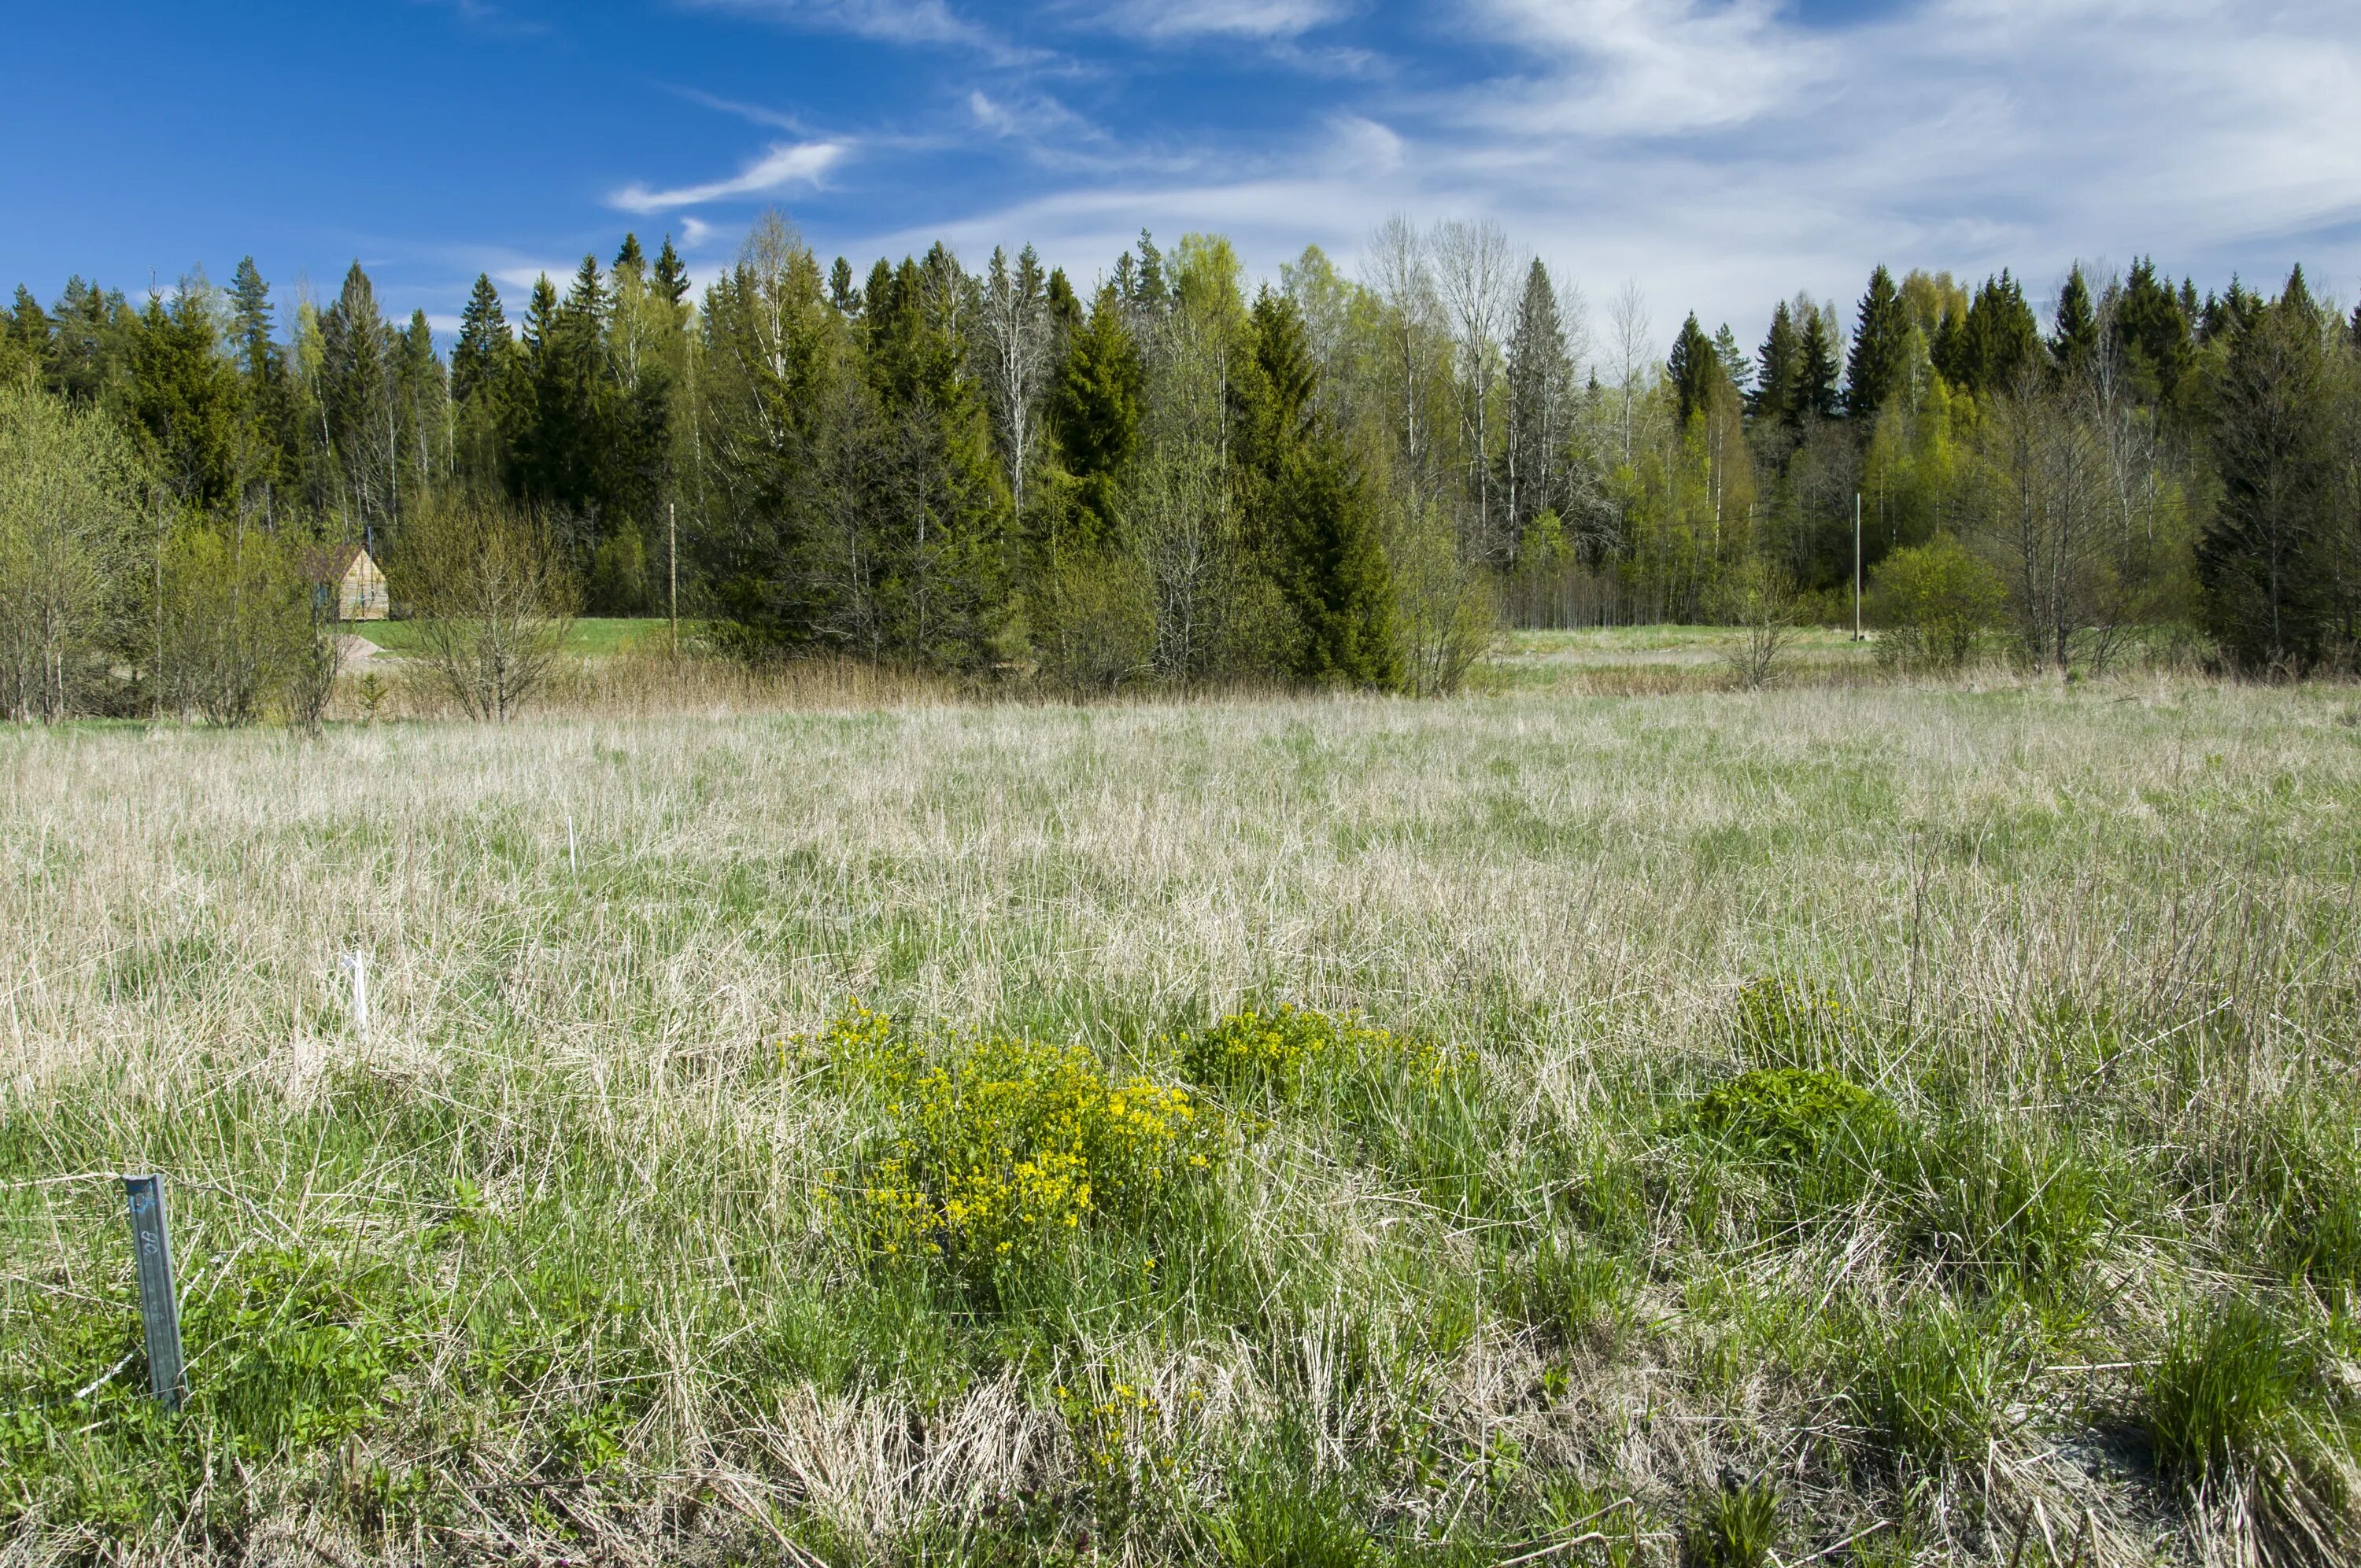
{"x":495,"y":598}
{"x":1017,"y":346}
{"x":1477,"y":280}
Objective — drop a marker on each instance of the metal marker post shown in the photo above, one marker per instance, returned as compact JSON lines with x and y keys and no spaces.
{"x":160,"y":1303}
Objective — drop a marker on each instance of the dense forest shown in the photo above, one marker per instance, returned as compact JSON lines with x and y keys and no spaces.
{"x":1165,"y":478}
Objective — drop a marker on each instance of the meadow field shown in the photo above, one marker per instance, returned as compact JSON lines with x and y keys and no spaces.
{"x":1852,"y":1123}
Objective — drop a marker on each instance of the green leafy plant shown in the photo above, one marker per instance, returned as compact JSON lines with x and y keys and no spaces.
{"x":1787,"y":1115}
{"x":1735,"y":1527}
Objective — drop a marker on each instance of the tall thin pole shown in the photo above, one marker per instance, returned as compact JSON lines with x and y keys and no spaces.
{"x":1856,"y":566}
{"x":672,"y":566}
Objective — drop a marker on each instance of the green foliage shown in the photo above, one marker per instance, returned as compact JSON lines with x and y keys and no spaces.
{"x":1290,"y":1055}
{"x":2006,"y":1205}
{"x":1880,"y":352}
{"x":1735,"y":1527}
{"x":998,"y":1151}
{"x":1933,"y":601}
{"x":292,"y":1350}
{"x":1281,"y":1515}
{"x":1787,"y":1115}
{"x":1094,"y":410}
{"x":2222,"y":1396}
{"x":1932,"y":1379}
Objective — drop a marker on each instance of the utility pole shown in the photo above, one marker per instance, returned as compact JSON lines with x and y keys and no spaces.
{"x":672,"y":567}
{"x":1856,"y":566}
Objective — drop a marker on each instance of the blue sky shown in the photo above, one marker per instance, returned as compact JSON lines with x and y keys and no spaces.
{"x":1718,"y":153}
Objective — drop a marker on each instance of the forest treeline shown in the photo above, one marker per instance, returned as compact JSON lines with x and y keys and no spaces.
{"x":1165,"y":478}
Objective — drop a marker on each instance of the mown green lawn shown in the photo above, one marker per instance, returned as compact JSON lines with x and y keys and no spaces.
{"x":587,"y":636}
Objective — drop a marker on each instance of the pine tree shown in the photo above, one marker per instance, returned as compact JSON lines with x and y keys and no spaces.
{"x":2074,"y":332}
{"x":841,"y":294}
{"x":1880,"y":365}
{"x":1778,"y":386}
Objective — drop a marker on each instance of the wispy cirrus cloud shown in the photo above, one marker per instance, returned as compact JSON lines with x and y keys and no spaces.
{"x":906,"y":22}
{"x":1264,"y":19}
{"x":784,"y":164}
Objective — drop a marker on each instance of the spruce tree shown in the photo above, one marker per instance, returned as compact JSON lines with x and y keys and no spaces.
{"x":1298,"y":496}
{"x":24,"y":344}
{"x":1778,"y":384}
{"x":1734,"y":363}
{"x":358,"y":408}
{"x":1693,"y":369}
{"x":1880,"y":364}
{"x":2074,"y":331}
{"x":189,"y":401}
{"x":1540,"y":377}
{"x":1815,"y":380}
{"x":479,"y":359}
{"x":841,"y":294}
{"x":630,"y":256}
{"x":1095,"y":404}
{"x":2155,"y":334}
{"x":672,"y":273}
{"x":2271,"y":596}
{"x":1152,"y":293}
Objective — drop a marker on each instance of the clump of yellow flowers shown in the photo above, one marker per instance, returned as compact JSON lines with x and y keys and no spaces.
{"x":1288,"y":1051}
{"x":998,"y":1148}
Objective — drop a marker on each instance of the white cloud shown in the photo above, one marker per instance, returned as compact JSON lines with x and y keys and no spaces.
{"x":787,"y":163}
{"x":1268,"y":19}
{"x":693,"y":231}
{"x":905,"y":22}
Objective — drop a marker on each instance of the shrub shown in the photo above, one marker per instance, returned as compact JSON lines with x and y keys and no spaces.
{"x":1288,"y":1053}
{"x":1758,"y":597}
{"x":1786,"y":1115}
{"x":1933,"y":601}
{"x":999,"y":1149}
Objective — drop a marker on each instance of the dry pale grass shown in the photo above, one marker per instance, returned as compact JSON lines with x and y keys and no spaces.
{"x":2135,"y":899}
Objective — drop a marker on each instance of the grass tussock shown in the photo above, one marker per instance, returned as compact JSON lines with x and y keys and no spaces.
{"x":1884,"y":1126}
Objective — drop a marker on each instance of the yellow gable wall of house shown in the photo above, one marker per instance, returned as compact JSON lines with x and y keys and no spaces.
{"x":362,"y":596}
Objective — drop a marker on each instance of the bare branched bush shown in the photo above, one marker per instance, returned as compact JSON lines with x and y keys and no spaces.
{"x":495,"y":598}
{"x":1757,"y":597}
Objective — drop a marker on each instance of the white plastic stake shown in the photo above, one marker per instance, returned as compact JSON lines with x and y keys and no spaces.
{"x":572,"y":862}
{"x":358,"y":962}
